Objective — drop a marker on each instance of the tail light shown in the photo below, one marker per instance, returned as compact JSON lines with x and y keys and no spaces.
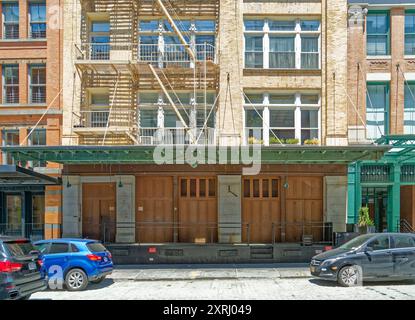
{"x":40,"y":262}
{"x":94,"y":257}
{"x":7,"y":266}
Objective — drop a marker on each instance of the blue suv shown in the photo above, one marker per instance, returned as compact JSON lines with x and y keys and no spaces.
{"x":74,"y":262}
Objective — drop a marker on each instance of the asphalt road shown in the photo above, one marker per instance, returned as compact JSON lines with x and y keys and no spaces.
{"x":229,"y":283}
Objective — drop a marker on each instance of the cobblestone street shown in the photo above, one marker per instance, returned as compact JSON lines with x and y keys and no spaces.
{"x":247,"y":283}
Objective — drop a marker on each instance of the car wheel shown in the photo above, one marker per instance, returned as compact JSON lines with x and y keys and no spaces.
{"x":99,"y":280}
{"x":76,"y":280}
{"x":349,"y":276}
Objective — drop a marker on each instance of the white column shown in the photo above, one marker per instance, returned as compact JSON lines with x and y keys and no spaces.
{"x":266,"y":121}
{"x":265,"y":42}
{"x":125,"y":209}
{"x":297,"y":45}
{"x":71,"y":207}
{"x":297,"y":116}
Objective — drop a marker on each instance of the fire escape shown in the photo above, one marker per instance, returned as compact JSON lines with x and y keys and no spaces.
{"x":116,"y":61}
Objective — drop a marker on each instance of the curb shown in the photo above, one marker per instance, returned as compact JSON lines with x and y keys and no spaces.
{"x":209,"y":278}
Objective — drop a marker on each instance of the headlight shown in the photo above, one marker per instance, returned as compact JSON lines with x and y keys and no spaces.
{"x":328,"y":262}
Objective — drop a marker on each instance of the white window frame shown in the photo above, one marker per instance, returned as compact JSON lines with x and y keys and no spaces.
{"x":298,"y":106}
{"x":297,"y":33}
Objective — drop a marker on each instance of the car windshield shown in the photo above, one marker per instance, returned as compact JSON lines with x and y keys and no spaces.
{"x":356,"y":242}
{"x":96,"y":247}
{"x":19,"y":249}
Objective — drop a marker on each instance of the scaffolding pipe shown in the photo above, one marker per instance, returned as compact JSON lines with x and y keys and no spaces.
{"x":176,"y":29}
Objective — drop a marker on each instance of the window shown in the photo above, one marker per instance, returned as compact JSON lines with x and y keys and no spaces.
{"x":377,"y":108}
{"x":309,"y":125}
{"x":253,"y":125}
{"x":37,"y":18}
{"x":100,"y":39}
{"x":37,"y":82}
{"x":404,"y":241}
{"x":10,"y":84}
{"x":282,"y":52}
{"x":74,"y":248}
{"x":380,"y":243}
{"x":10,"y":138}
{"x":159,"y":43}
{"x":409,"y":108}
{"x":98,"y":113}
{"x":38,"y":138}
{"x":10,"y":20}
{"x":38,"y":211}
{"x":197,"y":187}
{"x":309,"y":52}
{"x":282,"y":44}
{"x":410,"y":34}
{"x":291,"y":117}
{"x":43,"y":247}
{"x":254,"y":56}
{"x":155,"y":105}
{"x":58,"y":248}
{"x":263,"y":188}
{"x":378,"y":35}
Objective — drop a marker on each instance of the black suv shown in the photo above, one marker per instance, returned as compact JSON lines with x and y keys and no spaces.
{"x":382,"y":256}
{"x":20,"y":269}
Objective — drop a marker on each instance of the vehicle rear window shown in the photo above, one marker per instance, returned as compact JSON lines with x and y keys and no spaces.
{"x":19,"y":249}
{"x":404,"y":241}
{"x":96,"y":247}
{"x":58,"y":248}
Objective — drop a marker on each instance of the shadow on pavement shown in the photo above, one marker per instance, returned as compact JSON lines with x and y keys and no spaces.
{"x":105,"y":283}
{"x":212,"y":266}
{"x":328,"y":283}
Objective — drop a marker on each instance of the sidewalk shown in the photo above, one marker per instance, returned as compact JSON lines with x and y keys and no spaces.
{"x":209,"y":272}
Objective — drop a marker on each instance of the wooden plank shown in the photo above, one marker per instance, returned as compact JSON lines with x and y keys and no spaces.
{"x":98,"y":211}
{"x":198,"y":217}
{"x":154,"y":214}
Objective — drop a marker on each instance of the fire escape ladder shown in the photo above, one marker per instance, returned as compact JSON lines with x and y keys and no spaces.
{"x":112,"y":105}
{"x":189,"y":50}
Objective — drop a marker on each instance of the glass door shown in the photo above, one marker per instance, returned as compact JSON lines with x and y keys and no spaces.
{"x":13,"y":215}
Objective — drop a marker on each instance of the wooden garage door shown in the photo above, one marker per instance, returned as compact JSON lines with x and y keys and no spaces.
{"x":304,"y":208}
{"x":154,"y":214}
{"x":198,"y":217}
{"x":98,"y":211}
{"x":261,"y":209}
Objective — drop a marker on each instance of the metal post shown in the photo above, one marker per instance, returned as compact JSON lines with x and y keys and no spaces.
{"x":395,"y":200}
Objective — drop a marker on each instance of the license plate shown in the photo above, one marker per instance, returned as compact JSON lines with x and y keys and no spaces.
{"x":313,"y":269}
{"x":32,"y":266}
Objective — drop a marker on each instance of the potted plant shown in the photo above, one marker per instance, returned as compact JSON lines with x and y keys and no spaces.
{"x":314,"y":142}
{"x":365,"y":224}
{"x":291,"y":141}
{"x":274,"y":140}
{"x":253,"y":140}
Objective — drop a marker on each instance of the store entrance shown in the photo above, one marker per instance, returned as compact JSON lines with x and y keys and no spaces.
{"x":377,"y":200}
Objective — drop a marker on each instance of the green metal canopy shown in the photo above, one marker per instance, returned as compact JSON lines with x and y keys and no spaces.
{"x":402,"y":148}
{"x":288,"y":154}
